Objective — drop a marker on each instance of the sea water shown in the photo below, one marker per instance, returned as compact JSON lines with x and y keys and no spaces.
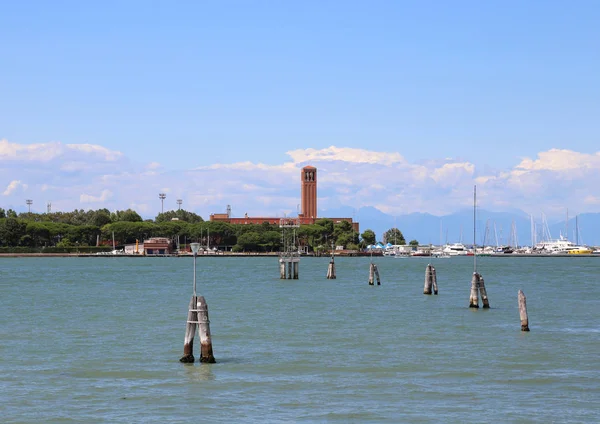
{"x":99,"y":340}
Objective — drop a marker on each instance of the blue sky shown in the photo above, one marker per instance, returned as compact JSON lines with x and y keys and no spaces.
{"x":106,"y":104}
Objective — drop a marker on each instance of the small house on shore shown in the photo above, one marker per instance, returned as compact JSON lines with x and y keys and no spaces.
{"x":158,"y":246}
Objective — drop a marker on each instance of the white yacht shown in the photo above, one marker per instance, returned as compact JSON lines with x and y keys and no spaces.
{"x":455,"y":249}
{"x":561,"y":246}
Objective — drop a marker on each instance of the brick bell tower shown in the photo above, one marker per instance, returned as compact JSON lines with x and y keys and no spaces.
{"x":308,"y":191}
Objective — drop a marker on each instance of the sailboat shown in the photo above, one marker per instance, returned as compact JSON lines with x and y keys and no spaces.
{"x":115,"y":251}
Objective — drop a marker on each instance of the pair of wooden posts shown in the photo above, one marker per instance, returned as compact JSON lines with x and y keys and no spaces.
{"x":198,"y":318}
{"x":477,"y":289}
{"x":374,"y":274}
{"x":430,"y":280}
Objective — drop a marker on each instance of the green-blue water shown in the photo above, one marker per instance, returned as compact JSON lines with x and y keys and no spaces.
{"x":99,"y":339}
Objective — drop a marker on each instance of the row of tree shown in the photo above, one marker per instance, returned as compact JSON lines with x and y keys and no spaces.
{"x":89,"y":228}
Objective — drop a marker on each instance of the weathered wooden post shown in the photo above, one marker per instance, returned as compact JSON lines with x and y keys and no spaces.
{"x":190,"y":332}
{"x":523,"y":311}
{"x":206,"y":352}
{"x":428,"y":279}
{"x":483,"y":292}
{"x":192,"y":318}
{"x":331,"y":269}
{"x":474,"y":299}
{"x":295,"y":265}
{"x":374,"y":275}
{"x":281,"y":269}
{"x":434,"y":280}
{"x":377,"y":275}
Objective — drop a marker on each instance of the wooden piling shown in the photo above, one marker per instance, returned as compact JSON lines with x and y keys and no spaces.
{"x":206,"y":352}
{"x":190,"y":331}
{"x":523,"y":311}
{"x":483,"y":292}
{"x":434,"y":280}
{"x":372,"y":274}
{"x":377,"y":274}
{"x":296,"y":265}
{"x":331,"y":270}
{"x":474,"y":299}
{"x":281,"y":269}
{"x":428,"y":279}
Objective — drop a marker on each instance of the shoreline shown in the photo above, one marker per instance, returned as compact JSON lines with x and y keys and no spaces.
{"x":263,"y":255}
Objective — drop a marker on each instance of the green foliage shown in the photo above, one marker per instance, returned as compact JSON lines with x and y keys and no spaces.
{"x":327,"y":224}
{"x":414,"y":243}
{"x":11,"y":231}
{"x":368,"y":237}
{"x":394,"y":236}
{"x":180,"y":214}
{"x":128,"y":215}
{"x":79,"y":229}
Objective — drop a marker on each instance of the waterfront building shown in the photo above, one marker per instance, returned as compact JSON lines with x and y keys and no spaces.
{"x":308,"y":202}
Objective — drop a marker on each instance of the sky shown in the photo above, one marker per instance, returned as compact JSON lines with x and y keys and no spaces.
{"x":401,"y":105}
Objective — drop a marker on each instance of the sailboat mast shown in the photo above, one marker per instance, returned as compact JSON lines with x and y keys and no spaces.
{"x":474,"y":228}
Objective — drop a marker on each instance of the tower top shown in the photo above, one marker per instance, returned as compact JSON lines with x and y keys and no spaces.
{"x":309,"y":167}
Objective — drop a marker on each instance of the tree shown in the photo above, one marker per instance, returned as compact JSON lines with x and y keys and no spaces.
{"x":394,"y":236}
{"x":2,"y":213}
{"x":327,"y":224}
{"x":180,"y":214}
{"x":368,"y":237}
{"x":413,"y":243}
{"x":128,"y":215}
{"x":11,"y":231}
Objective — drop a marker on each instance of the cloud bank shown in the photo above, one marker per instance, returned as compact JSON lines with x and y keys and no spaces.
{"x":92,"y":176}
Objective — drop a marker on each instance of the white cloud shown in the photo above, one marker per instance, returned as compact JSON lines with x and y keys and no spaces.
{"x":451,"y":174}
{"x":153,"y":165}
{"x":87,"y":175}
{"x":345,"y":154}
{"x":104,"y":196}
{"x":14,"y":186}
{"x":560,"y":160}
{"x":43,"y":152}
{"x":109,"y":155}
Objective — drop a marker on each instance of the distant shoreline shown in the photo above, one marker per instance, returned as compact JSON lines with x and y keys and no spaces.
{"x":269,"y":255}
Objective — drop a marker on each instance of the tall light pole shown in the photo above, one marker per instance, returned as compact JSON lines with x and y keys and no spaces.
{"x":29,"y":202}
{"x":162,"y":197}
{"x":195,"y":247}
{"x":179,"y":202}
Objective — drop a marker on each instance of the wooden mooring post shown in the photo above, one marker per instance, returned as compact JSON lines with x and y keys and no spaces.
{"x":474,"y":299}
{"x":197,"y":318}
{"x":206,"y":351}
{"x":478,"y":289}
{"x":331,"y":269}
{"x":190,"y":332}
{"x":374,"y":275}
{"x":483,"y":292}
{"x":430,"y":280}
{"x":523,"y":311}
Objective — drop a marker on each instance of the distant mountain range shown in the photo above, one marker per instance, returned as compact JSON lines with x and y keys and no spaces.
{"x":458,"y":226}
